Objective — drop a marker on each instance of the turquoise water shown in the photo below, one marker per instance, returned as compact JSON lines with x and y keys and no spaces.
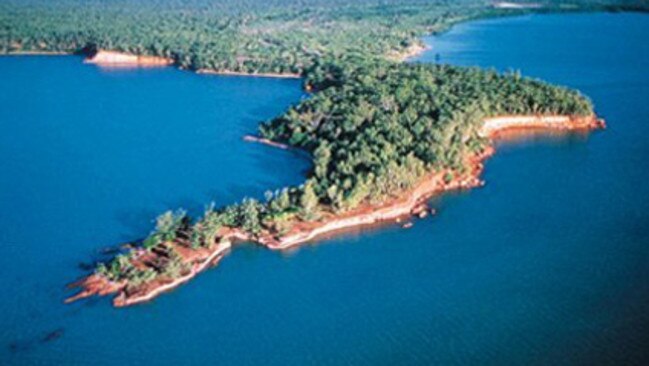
{"x":548,"y":264}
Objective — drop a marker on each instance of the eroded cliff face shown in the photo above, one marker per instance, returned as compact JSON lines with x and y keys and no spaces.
{"x":119,"y":59}
{"x":494,"y":125}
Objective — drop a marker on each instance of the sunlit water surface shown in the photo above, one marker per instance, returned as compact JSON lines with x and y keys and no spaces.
{"x":548,"y":264}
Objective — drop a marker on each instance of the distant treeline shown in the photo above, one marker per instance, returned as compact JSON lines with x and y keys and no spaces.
{"x":276,"y":36}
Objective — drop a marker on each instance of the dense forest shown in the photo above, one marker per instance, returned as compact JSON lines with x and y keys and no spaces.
{"x":372,"y":126}
{"x":277,"y":36}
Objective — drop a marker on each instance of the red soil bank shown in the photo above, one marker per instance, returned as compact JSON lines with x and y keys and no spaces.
{"x":119,"y":59}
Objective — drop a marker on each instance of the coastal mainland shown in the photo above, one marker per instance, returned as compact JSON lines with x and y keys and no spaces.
{"x":383,"y":135}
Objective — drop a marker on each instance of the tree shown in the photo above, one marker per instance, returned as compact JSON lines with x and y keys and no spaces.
{"x":309,"y":200}
{"x":336,"y":198}
{"x":167,"y":227}
{"x":321,"y":158}
{"x":168,"y":224}
{"x":152,"y":241}
{"x":281,"y":202}
{"x":250,"y":218}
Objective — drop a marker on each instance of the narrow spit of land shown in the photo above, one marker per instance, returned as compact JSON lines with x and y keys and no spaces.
{"x":409,"y":203}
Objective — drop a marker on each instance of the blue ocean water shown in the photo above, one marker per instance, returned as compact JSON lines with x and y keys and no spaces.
{"x":548,"y":264}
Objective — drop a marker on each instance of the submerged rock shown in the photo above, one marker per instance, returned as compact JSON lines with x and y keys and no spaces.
{"x":53,"y":335}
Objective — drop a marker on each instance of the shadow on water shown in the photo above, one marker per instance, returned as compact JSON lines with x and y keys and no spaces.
{"x":515,"y":139}
{"x":50,"y":336}
{"x":140,"y":221}
{"x":136,"y":221}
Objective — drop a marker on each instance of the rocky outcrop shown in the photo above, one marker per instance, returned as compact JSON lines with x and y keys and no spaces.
{"x":150,"y":291}
{"x":198,"y":261}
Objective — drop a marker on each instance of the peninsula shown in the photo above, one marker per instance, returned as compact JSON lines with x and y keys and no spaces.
{"x":190,"y":261}
{"x":383,"y":135}
{"x":377,"y":158}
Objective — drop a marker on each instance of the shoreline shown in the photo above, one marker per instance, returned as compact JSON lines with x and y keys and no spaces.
{"x":259,"y":74}
{"x":35,"y":53}
{"x":122,"y":60}
{"x":411,"y":202}
{"x":115,"y":59}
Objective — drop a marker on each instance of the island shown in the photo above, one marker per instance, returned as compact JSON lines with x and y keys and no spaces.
{"x":383,"y":135}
